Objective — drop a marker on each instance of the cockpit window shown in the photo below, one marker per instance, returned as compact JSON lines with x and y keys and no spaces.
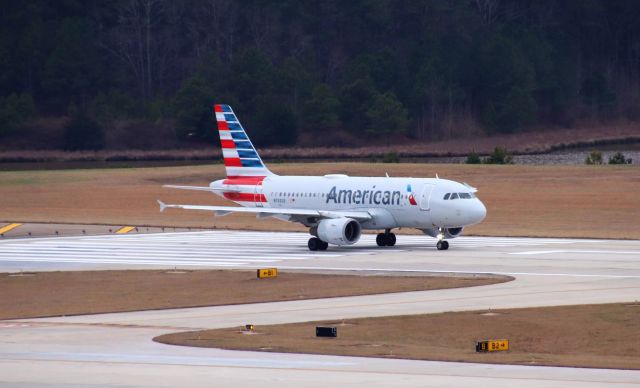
{"x":465,"y":195}
{"x":446,"y":196}
{"x":454,"y":196}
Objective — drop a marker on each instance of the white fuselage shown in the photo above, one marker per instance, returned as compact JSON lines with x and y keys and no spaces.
{"x":392,"y":202}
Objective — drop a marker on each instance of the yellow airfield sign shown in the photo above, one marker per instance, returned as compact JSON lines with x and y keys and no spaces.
{"x":267,"y":273}
{"x":492,"y":345}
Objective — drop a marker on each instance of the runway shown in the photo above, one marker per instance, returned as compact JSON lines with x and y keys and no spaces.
{"x":234,"y":249}
{"x":116,"y":349}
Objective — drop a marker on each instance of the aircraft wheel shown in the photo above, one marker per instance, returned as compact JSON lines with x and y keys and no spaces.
{"x":442,"y":245}
{"x":381,"y":240}
{"x":391,"y":239}
{"x":323,"y":246}
{"x":314,"y":243}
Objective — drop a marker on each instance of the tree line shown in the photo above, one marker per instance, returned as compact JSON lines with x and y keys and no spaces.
{"x":430,"y":69}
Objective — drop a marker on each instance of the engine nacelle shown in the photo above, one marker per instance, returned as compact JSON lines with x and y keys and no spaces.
{"x":448,"y":232}
{"x":338,"y":231}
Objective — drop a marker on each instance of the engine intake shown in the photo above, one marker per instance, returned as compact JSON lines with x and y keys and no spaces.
{"x":338,"y":231}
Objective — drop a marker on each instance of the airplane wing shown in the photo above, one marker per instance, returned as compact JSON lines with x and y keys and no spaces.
{"x":262,"y":212}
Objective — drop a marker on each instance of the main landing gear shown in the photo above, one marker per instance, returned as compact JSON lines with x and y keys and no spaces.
{"x":315,"y":244}
{"x":386,"y":239}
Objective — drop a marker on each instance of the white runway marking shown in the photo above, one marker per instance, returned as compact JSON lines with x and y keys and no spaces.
{"x":607,"y":252}
{"x":218,"y":248}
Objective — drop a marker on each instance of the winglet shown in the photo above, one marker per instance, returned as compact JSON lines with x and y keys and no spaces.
{"x":162,"y":205}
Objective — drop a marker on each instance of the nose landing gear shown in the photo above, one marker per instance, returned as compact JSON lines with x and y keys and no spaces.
{"x":442,"y":244}
{"x":386,"y":239}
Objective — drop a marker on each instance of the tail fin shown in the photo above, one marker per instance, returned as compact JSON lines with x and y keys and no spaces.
{"x":240,"y":157}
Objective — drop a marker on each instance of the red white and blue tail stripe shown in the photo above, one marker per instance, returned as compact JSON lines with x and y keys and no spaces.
{"x":240,"y":156}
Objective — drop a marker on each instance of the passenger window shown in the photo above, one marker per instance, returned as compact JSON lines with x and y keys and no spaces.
{"x":454,"y":196}
{"x":446,"y":196}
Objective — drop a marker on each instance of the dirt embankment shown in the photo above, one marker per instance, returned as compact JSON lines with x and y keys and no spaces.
{"x":29,"y":295}
{"x":597,"y":336}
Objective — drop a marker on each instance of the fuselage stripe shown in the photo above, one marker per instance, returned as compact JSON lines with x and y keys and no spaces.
{"x":247,"y":197}
{"x":231,"y":180}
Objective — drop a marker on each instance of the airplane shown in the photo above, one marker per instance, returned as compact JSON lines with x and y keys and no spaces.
{"x":335,"y":207}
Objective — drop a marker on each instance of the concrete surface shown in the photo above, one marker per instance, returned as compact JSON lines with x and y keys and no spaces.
{"x":116,"y":349}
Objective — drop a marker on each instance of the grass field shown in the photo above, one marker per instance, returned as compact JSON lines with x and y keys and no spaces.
{"x":599,"y":336}
{"x":555,"y":201}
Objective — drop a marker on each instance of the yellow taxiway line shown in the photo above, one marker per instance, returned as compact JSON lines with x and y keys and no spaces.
{"x":8,"y":228}
{"x":125,"y":229}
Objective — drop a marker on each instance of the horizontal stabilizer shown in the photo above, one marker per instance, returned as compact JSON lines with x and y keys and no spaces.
{"x":199,"y":188}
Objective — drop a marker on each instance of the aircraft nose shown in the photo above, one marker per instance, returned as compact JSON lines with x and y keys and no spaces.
{"x":479,"y":211}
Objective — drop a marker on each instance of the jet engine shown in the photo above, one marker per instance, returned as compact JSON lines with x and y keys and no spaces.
{"x":338,"y":231}
{"x":448,"y":232}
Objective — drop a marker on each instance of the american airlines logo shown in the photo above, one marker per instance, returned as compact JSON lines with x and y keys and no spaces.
{"x":364,"y":197}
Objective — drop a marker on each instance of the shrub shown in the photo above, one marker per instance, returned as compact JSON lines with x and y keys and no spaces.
{"x":618,"y":158}
{"x":276,"y":124}
{"x":114,"y":105}
{"x":391,"y":157}
{"x":594,"y":157}
{"x":500,"y":155}
{"x":83,"y":133}
{"x":473,"y":158}
{"x":15,"y":110}
{"x":192,"y":109}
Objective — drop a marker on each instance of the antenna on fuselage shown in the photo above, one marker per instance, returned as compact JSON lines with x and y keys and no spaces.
{"x":387,"y":174}
{"x":437,"y":177}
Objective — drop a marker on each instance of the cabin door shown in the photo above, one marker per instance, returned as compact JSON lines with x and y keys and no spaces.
{"x":425,"y":198}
